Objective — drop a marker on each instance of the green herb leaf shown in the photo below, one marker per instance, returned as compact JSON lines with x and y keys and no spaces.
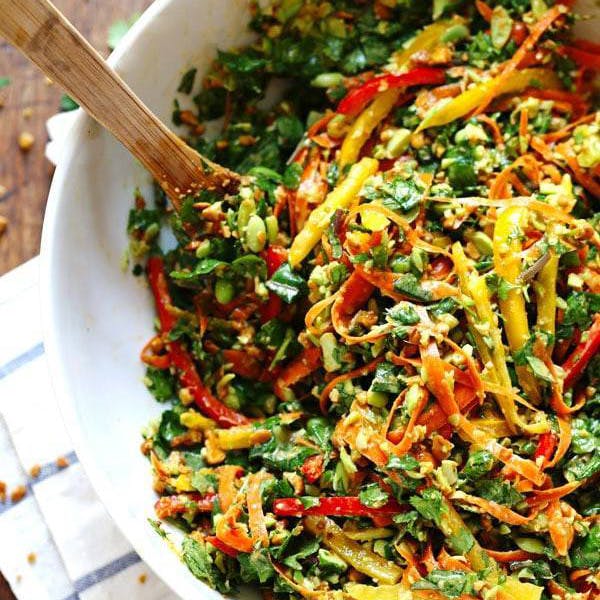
{"x":200,"y":563}
{"x":403,"y":463}
{"x":161,"y":384}
{"x":409,"y":286}
{"x":4,"y":81}
{"x":430,"y":504}
{"x":256,"y":567}
{"x":585,"y":553}
{"x":373,"y":496}
{"x":287,"y":284}
{"x":187,"y":81}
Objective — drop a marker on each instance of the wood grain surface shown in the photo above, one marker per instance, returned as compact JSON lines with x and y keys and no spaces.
{"x":28,"y":102}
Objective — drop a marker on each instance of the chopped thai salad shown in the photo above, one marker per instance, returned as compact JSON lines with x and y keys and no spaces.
{"x":378,"y":359}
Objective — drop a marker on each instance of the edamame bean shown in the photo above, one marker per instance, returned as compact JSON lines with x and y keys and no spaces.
{"x":246,"y":210}
{"x":224,"y":291}
{"x":203,"y":250}
{"x":272,"y":228}
{"x":398,"y":143}
{"x":455,"y":34}
{"x":256,"y":234}
{"x":327,"y":80}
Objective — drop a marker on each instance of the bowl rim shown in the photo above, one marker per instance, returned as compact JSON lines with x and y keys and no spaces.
{"x":182,"y":586}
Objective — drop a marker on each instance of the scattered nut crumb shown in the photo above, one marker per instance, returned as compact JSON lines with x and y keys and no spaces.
{"x":18,"y":493}
{"x":35,"y":471}
{"x":48,"y":81}
{"x":27,"y":112}
{"x":2,"y":491}
{"x":26,"y":141}
{"x":31,"y":558}
{"x":62,"y":462}
{"x":18,"y":578}
{"x":142,"y":578}
{"x":3,"y":224}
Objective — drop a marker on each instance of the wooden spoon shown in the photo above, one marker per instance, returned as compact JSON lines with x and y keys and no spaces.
{"x":47,"y":38}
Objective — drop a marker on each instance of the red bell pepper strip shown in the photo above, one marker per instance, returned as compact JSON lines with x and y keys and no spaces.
{"x":222,"y":546}
{"x":274,"y":256}
{"x":358,"y":98}
{"x":334,"y":506}
{"x":546,"y":446}
{"x":181,"y":358}
{"x":575,"y":365}
{"x":588,"y":60}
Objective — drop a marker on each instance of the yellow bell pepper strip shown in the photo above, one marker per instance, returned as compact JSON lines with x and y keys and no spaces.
{"x":447,"y":111}
{"x":545,"y":291}
{"x":238,"y":438}
{"x":507,"y":263}
{"x":341,"y":197}
{"x":362,"y":559}
{"x":427,"y":40}
{"x":476,"y":289}
{"x":364,"y":125}
{"x":513,"y":588}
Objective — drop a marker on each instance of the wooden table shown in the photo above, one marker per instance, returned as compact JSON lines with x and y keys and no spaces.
{"x":28,"y":102}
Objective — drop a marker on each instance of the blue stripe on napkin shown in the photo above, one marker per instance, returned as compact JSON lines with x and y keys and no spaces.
{"x":21,"y":360}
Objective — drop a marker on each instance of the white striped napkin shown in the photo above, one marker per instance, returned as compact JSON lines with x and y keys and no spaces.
{"x":58,"y":542}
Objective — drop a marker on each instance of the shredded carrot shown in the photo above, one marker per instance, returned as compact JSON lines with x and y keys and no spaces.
{"x":560,"y":529}
{"x":315,"y":310}
{"x":227,"y":475}
{"x":528,"y":45}
{"x":500,"y":512}
{"x":553,"y":493}
{"x":564,"y":441}
{"x":256,"y":516}
{"x":585,"y":180}
{"x":484,"y":10}
{"x":523,"y":130}
{"x":233,"y":533}
{"x":523,"y":466}
{"x":496,"y":133}
{"x":509,"y":555}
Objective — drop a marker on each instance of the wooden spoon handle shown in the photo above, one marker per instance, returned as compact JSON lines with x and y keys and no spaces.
{"x":45,"y":36}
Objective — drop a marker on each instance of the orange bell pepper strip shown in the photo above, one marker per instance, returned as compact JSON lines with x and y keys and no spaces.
{"x":181,"y":359}
{"x":307,"y":362}
{"x":233,"y":533}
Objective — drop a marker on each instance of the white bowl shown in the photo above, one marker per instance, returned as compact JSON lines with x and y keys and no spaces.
{"x":96,"y":316}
